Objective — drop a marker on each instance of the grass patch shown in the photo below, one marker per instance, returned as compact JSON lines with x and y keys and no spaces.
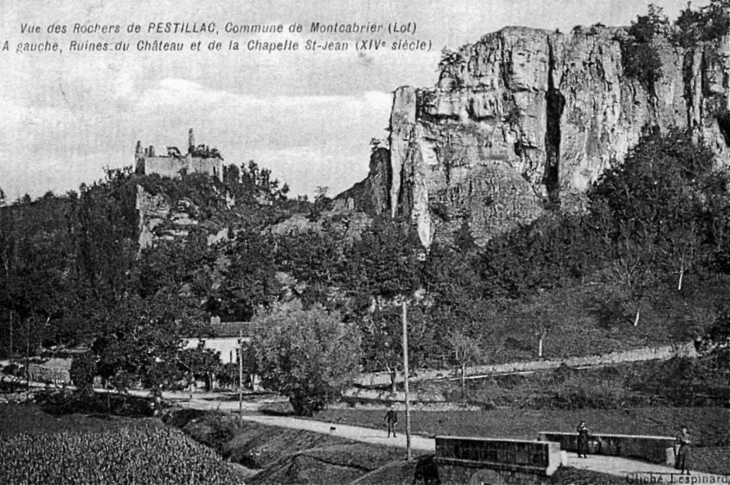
{"x":118,"y":404}
{"x":710,"y":427}
{"x":30,"y":418}
{"x":573,"y":476}
{"x":596,"y":317}
{"x":684,"y":382}
{"x":262,"y":447}
{"x":713,"y":460}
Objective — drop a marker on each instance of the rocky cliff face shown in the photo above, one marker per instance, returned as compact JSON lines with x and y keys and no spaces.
{"x":155,"y":213}
{"x":161,"y":218}
{"x":524,"y":120}
{"x":371,"y":195}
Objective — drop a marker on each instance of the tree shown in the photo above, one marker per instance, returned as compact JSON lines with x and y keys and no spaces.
{"x":321,"y":203}
{"x":231,"y":175}
{"x":466,"y":351}
{"x":384,"y":261}
{"x":543,"y":322}
{"x":83,"y":370}
{"x":716,"y":19}
{"x":382,"y":342}
{"x":250,"y":277}
{"x":707,"y":24}
{"x":634,"y":266}
{"x":183,"y":266}
{"x":200,"y":362}
{"x":657,"y":206}
{"x":681,"y":248}
{"x":284,"y":190}
{"x":450,"y":276}
{"x":551,"y":252}
{"x":639,"y":57}
{"x":451,"y":68}
{"x":140,"y":342}
{"x":312,"y":256}
{"x":310,"y":356}
{"x":36,"y":282}
{"x":253,"y":172}
{"x":105,"y":235}
{"x":688,"y":28}
{"x":717,"y":340}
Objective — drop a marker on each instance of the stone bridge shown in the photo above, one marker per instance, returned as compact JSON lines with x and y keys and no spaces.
{"x":494,"y":461}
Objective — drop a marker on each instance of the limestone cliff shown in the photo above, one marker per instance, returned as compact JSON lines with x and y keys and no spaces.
{"x":524,"y":120}
{"x":372,"y":195}
{"x":158,"y":220}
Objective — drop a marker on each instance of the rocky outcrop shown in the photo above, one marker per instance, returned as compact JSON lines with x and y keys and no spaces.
{"x":153,"y":210}
{"x":160,"y":218}
{"x":524,"y":120}
{"x":372,"y":195}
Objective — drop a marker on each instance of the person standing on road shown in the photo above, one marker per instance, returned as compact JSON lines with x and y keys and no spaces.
{"x":391,"y":419}
{"x":684,"y":441}
{"x":582,"y":440}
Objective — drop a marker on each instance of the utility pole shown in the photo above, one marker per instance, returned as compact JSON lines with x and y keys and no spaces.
{"x":10,"y":351}
{"x":240,"y":373}
{"x":27,"y":351}
{"x":405,"y":383}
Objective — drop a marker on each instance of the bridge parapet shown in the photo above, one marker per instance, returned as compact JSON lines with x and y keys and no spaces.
{"x":650,"y":448}
{"x":521,"y":456}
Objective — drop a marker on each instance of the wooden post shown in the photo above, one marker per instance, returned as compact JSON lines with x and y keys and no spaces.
{"x":405,"y":383}
{"x":240,"y":375}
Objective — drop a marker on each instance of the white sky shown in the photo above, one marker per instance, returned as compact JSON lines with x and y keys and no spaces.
{"x":308,"y":117}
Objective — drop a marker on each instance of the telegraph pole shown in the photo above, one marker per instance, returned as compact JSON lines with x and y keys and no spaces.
{"x":240,"y":374}
{"x":405,"y":383}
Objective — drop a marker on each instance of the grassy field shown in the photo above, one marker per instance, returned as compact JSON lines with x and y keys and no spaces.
{"x":284,"y":456}
{"x":596,"y":316}
{"x":16,"y":419}
{"x":710,"y":427}
{"x":288,"y":457}
{"x":40,"y":448}
{"x":684,"y":382}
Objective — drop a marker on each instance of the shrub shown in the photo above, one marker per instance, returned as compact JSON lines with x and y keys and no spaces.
{"x":60,"y":403}
{"x":451,"y":66}
{"x":513,"y":116}
{"x":83,"y":370}
{"x":581,"y":393}
{"x":639,"y":56}
{"x":310,"y":356}
{"x":707,"y":24}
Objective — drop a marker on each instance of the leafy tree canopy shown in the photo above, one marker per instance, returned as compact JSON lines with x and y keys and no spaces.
{"x":308,"y":355}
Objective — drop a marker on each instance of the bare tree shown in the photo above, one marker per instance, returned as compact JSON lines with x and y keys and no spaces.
{"x":681,"y":248}
{"x":633,"y":267}
{"x":541,"y":328}
{"x":466,"y":350}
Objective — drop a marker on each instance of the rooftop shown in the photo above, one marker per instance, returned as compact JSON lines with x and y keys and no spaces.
{"x":232,"y":329}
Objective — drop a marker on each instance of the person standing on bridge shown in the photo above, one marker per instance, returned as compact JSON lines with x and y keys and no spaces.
{"x":391,"y":419}
{"x":582,"y":440}
{"x":684,"y":441}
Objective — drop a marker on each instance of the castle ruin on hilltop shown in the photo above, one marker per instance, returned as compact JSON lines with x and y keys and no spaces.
{"x":198,"y":159}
